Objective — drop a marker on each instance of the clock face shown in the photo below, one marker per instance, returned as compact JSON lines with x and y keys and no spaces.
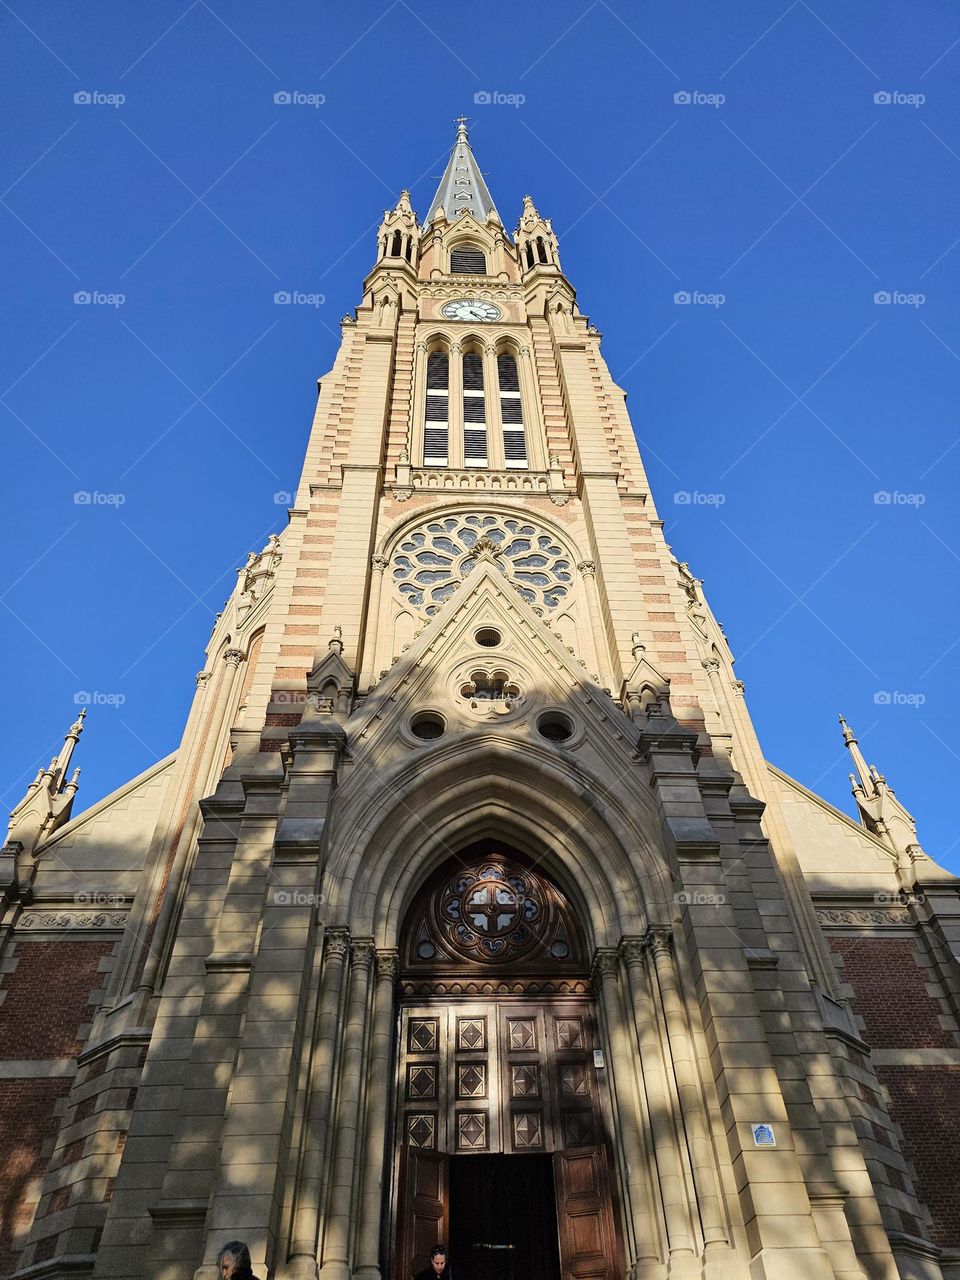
{"x":471,"y":309}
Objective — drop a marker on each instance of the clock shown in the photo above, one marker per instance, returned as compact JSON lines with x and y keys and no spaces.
{"x":471,"y":309}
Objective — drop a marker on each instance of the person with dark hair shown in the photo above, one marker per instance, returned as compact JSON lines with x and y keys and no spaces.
{"x":438,"y":1265}
{"x":233,"y":1262}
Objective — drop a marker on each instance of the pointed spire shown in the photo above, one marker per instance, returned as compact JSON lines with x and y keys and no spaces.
{"x":48,"y":800}
{"x":70,"y":740}
{"x":462,"y":185}
{"x":859,"y":764}
{"x":881,"y":812}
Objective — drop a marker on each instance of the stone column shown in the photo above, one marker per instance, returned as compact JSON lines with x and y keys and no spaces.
{"x":588,"y":572}
{"x":680,"y":1241}
{"x":692,"y":1111}
{"x":306,"y":1213}
{"x":371,"y":672}
{"x":379,"y":1079}
{"x":496,"y":459}
{"x":645,"y":1263}
{"x":336,"y":1235}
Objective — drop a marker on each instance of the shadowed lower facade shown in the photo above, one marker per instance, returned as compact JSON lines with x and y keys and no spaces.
{"x":468,"y":908}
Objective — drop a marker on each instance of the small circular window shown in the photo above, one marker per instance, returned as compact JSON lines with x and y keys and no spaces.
{"x":555,"y":726}
{"x":427,"y":726}
{"x":488,"y":637}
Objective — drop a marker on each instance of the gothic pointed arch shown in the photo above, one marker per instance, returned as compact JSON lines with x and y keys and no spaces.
{"x":491,"y":920}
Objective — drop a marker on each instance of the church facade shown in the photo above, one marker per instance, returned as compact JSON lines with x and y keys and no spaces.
{"x":468,"y":909}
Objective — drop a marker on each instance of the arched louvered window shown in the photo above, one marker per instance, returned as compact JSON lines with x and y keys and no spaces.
{"x":511,"y":412}
{"x":437,"y":416}
{"x":474,"y":413}
{"x":468,"y":261}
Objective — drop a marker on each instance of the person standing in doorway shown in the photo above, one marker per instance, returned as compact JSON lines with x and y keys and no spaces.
{"x":438,"y":1265}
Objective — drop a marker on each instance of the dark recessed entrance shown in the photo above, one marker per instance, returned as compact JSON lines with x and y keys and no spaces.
{"x":503,"y":1218}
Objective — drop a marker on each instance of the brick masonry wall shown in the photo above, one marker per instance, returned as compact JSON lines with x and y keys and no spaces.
{"x":925,"y":1103}
{"x":895,"y":995}
{"x":29,"y":1119}
{"x":890,"y":993}
{"x":46,"y":998}
{"x":45,"y":1004}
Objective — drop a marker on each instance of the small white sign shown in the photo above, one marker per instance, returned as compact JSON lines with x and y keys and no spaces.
{"x":598,"y":1058}
{"x":763,"y":1135}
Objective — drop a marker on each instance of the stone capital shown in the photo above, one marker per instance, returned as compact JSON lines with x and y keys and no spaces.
{"x":388,"y":965}
{"x":233,"y":657}
{"x":337,"y":943}
{"x":587,"y":567}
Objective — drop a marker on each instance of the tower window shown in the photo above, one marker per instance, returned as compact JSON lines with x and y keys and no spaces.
{"x":437,"y":416}
{"x":541,"y":249}
{"x":511,"y":413}
{"x":468,"y":261}
{"x":529,"y":254}
{"x":397,"y":248}
{"x":474,"y":412}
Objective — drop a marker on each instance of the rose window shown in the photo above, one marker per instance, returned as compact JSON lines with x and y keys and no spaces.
{"x":430,"y":563}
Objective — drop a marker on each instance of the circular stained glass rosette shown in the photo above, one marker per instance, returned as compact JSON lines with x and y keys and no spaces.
{"x":430,"y":563}
{"x":491,"y":913}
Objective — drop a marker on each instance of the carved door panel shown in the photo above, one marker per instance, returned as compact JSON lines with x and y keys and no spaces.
{"x":424,"y":1208}
{"x":588,"y":1244}
{"x":489,"y":1077}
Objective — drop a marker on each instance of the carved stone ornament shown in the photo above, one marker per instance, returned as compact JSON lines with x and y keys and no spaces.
{"x":337,"y":943}
{"x":857,"y":915}
{"x":233,"y":657}
{"x":432,"y":559}
{"x":72,"y":920}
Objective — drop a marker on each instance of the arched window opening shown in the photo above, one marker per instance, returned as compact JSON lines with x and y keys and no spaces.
{"x":437,"y":414}
{"x":511,"y":413}
{"x":468,"y":261}
{"x":474,"y":412}
{"x":397,"y":249}
{"x":529,"y":254}
{"x":409,"y":253}
{"x":541,"y":249}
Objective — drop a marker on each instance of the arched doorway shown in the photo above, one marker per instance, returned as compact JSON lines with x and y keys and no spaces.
{"x":502,"y":1118}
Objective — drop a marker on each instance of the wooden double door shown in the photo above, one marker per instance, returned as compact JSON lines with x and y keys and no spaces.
{"x":503,"y":1142}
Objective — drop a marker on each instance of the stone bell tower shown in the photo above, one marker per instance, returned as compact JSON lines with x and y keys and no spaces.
{"x":468,"y":908}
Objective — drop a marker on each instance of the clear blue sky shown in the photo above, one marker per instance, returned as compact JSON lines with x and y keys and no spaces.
{"x":798,"y":198}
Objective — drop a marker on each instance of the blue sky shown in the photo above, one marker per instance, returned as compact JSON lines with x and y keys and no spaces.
{"x":769,"y":420}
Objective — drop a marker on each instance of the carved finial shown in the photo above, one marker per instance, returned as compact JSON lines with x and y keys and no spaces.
{"x":336,"y":639}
